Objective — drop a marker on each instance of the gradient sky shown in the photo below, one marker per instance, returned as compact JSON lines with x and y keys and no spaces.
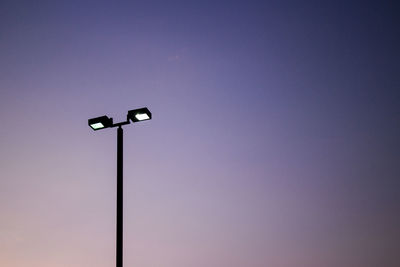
{"x":274,"y":140}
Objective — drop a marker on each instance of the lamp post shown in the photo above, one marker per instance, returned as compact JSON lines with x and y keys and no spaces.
{"x":103,"y":122}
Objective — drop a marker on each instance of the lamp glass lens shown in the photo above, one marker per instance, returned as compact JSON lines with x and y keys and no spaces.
{"x":142,"y":116}
{"x":96,"y":126}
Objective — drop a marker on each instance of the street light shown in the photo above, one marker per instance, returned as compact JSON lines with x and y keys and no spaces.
{"x":140,"y":114}
{"x":103,"y":122}
{"x":100,"y":122}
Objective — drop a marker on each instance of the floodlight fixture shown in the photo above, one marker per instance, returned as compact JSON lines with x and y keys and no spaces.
{"x":100,"y":122}
{"x":141,"y":114}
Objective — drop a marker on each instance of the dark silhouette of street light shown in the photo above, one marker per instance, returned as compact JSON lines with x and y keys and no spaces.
{"x":140,"y":114}
{"x":103,"y":122}
{"x":100,"y":122}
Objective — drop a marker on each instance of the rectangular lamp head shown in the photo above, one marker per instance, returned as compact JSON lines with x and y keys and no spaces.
{"x":141,"y":114}
{"x":100,"y":122}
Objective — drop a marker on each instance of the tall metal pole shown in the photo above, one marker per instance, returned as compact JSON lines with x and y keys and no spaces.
{"x":119,"y":241}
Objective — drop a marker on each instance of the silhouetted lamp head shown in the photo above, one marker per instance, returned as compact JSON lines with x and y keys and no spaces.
{"x":100,"y":122}
{"x":141,"y":114}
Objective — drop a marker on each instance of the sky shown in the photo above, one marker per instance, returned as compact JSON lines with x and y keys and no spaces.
{"x":274,"y":139}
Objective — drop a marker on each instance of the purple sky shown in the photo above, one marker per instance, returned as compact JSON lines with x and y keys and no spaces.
{"x":274,"y":140}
